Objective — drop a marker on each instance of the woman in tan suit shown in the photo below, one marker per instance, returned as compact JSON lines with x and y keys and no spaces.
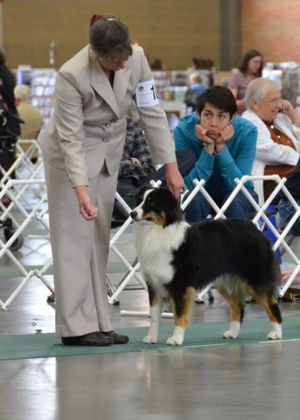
{"x":82,"y":146}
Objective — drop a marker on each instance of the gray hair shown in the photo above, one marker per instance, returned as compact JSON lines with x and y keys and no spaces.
{"x":22,"y":92}
{"x":258,"y":89}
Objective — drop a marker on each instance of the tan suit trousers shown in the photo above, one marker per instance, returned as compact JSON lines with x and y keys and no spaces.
{"x":80,"y":252}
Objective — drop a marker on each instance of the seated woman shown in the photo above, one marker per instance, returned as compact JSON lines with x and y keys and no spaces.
{"x":250,"y":68}
{"x":278,"y":144}
{"x":278,"y":125}
{"x":31,"y":116}
{"x":225,"y":149}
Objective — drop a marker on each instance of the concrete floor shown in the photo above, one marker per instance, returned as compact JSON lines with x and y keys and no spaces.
{"x":229,"y":383}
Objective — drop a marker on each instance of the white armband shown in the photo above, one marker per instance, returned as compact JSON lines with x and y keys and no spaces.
{"x":146,"y":94}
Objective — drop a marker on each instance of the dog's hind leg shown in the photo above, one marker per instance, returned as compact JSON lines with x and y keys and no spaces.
{"x":235,"y":301}
{"x":267,"y":300}
{"x":182,"y":306}
{"x":156,"y":308}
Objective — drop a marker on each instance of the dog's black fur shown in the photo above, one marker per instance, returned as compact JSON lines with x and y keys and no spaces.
{"x":233,"y":254}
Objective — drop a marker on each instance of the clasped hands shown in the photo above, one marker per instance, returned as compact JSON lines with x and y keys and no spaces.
{"x":214,"y":141}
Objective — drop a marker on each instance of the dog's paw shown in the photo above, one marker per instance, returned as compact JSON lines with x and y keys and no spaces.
{"x":149,"y":340}
{"x":274,"y":335}
{"x":229,"y":334}
{"x":174,"y":341}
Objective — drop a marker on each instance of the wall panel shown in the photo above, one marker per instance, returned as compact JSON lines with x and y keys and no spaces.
{"x":172,"y":30}
{"x":272,"y":27}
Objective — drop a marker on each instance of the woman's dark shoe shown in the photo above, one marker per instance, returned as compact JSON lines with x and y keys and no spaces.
{"x":91,"y":339}
{"x":118,"y":338}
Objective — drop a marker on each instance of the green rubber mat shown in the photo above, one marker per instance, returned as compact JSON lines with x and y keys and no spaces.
{"x":13,"y":271}
{"x":197,"y":336}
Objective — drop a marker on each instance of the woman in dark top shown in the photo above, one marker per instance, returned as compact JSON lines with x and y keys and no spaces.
{"x":7,"y":85}
{"x":12,"y":126}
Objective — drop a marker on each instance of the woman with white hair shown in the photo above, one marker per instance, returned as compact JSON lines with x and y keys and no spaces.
{"x":278,"y":125}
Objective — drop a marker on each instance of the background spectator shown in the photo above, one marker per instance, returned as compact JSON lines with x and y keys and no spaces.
{"x":12,"y":126}
{"x":278,"y":141}
{"x":194,"y":91}
{"x":224,"y":147}
{"x":137,"y":168}
{"x":7,"y":84}
{"x":250,"y":67}
{"x":32,"y":118}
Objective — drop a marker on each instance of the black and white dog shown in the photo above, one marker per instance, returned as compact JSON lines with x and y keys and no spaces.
{"x":177,"y":259}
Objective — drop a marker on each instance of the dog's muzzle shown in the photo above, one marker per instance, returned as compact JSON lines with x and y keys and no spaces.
{"x":134,"y":215}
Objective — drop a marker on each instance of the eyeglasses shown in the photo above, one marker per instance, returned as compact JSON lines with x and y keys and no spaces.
{"x":275,"y":101}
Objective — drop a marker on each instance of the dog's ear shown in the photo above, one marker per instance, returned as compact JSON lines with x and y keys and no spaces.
{"x":140,"y":194}
{"x":174,"y":212}
{"x":169,"y":198}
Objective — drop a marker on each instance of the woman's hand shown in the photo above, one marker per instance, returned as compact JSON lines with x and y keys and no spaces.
{"x":174,"y":179}
{"x":288,"y":109}
{"x":86,"y":209}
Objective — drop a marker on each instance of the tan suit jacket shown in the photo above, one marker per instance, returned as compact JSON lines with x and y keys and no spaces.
{"x":89,"y":123}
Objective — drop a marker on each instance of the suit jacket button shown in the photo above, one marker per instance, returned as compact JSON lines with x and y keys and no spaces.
{"x":108,"y":125}
{"x":105,"y":139}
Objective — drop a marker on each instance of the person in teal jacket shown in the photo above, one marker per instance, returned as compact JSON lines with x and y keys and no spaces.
{"x":224,"y":146}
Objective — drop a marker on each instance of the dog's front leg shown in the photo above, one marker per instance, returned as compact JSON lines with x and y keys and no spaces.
{"x":182,"y":312}
{"x":178,"y":336}
{"x":156,"y":308}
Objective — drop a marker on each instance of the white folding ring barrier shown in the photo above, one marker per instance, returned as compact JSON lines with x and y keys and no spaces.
{"x":36,"y":212}
{"x":260,"y":214}
{"x":15,"y":190}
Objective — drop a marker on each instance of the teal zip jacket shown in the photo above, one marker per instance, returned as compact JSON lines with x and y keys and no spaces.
{"x":219,"y":171}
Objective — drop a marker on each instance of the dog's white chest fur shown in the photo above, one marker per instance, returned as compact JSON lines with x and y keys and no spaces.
{"x":155,"y":246}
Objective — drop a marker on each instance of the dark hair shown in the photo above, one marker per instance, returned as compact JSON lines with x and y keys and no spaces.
{"x":219,"y":96}
{"x":109,"y":35}
{"x":2,"y":57}
{"x":243,"y":66}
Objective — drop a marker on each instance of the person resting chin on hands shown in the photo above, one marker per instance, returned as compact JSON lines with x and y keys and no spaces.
{"x":225,"y":148}
{"x":213,"y":140}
